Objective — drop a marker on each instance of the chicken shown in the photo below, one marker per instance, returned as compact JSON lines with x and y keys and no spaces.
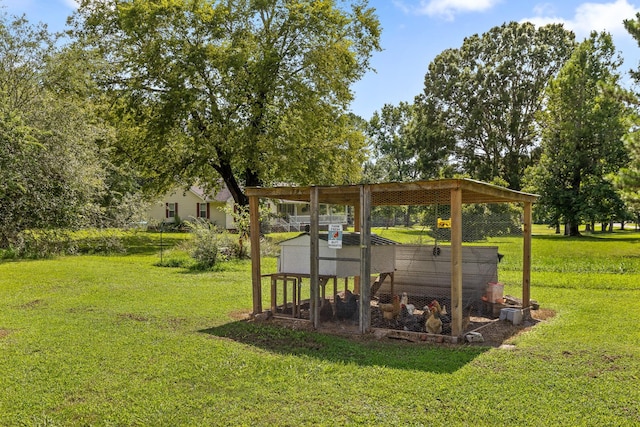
{"x":404,"y":301}
{"x":326,"y":311}
{"x":441,"y":313}
{"x":408,"y":321}
{"x":347,"y":308}
{"x":433,"y":324}
{"x":441,"y":310}
{"x":390,"y":311}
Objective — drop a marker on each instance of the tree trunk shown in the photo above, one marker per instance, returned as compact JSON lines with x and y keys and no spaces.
{"x":574,"y":230}
{"x":226,"y":172}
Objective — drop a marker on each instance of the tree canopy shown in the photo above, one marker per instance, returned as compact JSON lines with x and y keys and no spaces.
{"x":485,"y":96}
{"x":253,"y":92}
{"x":582,"y":128}
{"x":51,"y":174}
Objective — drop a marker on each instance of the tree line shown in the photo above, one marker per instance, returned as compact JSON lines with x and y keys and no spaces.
{"x":528,"y":108}
{"x":139,"y":96}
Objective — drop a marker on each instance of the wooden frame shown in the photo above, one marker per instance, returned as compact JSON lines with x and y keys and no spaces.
{"x":456,"y":192}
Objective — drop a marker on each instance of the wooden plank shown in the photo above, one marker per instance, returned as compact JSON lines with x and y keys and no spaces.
{"x":256,"y":276}
{"x":365,"y":257}
{"x":456,"y":261}
{"x":526,"y":257}
{"x":314,"y":269}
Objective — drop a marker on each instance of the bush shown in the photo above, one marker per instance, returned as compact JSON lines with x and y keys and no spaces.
{"x":204,"y":246}
{"x":210,"y":245}
{"x":49,"y":243}
{"x":43,"y":243}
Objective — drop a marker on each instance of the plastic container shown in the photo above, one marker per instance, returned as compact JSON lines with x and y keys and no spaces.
{"x":514,"y":315}
{"x":495,"y":292}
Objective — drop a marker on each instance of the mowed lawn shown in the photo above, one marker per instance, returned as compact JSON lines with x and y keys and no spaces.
{"x":119,"y":341}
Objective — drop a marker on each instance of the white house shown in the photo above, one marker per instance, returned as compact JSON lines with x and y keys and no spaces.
{"x":194,"y":203}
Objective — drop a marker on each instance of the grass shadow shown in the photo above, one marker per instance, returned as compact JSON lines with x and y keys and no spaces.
{"x":618,"y":236}
{"x":361,"y":351}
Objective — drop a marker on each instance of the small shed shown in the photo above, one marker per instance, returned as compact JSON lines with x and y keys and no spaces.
{"x":343,"y":262}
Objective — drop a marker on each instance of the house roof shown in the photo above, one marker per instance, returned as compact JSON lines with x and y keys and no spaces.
{"x":221,"y":195}
{"x":400,"y":193}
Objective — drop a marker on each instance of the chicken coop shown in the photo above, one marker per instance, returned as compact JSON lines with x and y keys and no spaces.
{"x":450,"y":271}
{"x":335,"y":263}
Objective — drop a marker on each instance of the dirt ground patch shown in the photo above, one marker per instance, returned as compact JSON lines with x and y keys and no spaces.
{"x":494,"y":332}
{"x":498,"y":332}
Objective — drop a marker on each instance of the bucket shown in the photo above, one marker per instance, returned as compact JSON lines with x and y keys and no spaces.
{"x":494,"y":292}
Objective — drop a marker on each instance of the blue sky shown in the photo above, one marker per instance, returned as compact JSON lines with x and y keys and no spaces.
{"x":416,"y":31}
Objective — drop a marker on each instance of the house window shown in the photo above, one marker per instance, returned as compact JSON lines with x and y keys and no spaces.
{"x":171,"y":210}
{"x":202,"y":210}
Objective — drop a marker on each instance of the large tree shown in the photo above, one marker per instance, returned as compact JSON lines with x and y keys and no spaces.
{"x":52,"y":175}
{"x":628,"y":178}
{"x":583,"y":123}
{"x":252,"y":92}
{"x":389,"y":131}
{"x":486,"y":93}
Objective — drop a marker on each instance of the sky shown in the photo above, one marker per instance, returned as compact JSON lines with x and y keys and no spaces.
{"x":414,"y":32}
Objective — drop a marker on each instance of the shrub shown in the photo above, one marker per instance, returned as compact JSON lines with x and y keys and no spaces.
{"x":49,"y":243}
{"x":43,"y":243}
{"x":204,"y":245}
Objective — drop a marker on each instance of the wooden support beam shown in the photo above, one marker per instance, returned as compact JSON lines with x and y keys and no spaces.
{"x":356,"y":228}
{"x":456,"y":261}
{"x":526,"y":256}
{"x":365,"y":258}
{"x":254,"y":233}
{"x":314,"y":270}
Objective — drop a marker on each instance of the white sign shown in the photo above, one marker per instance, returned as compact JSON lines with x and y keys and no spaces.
{"x":335,"y":236}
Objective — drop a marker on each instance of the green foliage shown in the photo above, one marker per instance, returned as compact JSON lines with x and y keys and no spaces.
{"x":389,"y":131}
{"x":47,"y":243}
{"x":55,"y":169}
{"x":204,"y":245}
{"x":210,"y":245}
{"x":583,"y":125}
{"x":253,"y":92}
{"x":485,"y":95}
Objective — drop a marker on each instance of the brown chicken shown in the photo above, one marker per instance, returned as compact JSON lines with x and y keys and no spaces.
{"x":433,"y":324}
{"x":391,"y":311}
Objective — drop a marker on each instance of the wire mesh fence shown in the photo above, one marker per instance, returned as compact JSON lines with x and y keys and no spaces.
{"x":420,"y":282}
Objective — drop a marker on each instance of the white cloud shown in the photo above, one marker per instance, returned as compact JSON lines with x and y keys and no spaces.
{"x":589,"y":17}
{"x":446,"y":9}
{"x":73,"y":4}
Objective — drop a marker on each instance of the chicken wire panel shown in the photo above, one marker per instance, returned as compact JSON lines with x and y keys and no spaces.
{"x":497,"y":224}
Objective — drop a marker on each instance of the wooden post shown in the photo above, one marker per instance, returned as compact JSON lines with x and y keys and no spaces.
{"x":356,"y":228}
{"x":314,"y":270}
{"x":456,"y":261}
{"x":254,"y":230}
{"x":365,"y":258}
{"x":526,"y":257}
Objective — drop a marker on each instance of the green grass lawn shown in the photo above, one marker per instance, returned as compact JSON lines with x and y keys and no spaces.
{"x":118,"y":340}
